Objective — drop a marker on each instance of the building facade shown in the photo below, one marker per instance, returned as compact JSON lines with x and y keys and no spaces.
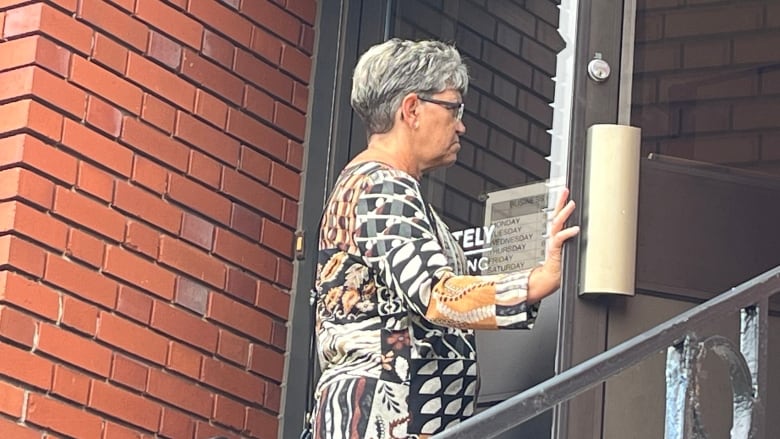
{"x":158,"y":159}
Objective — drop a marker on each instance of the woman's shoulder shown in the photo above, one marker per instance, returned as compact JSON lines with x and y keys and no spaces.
{"x":373,"y":172}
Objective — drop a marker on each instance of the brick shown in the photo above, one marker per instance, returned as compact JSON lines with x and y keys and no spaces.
{"x":254,"y":194}
{"x":129,"y":372}
{"x":95,"y":182}
{"x":19,"y":52}
{"x":104,"y":116}
{"x":175,"y":424}
{"x":40,"y":17}
{"x":257,"y":135}
{"x":158,"y":113}
{"x":184,"y":327}
{"x":205,"y":169}
{"x":273,"y":300}
{"x":29,"y":115}
{"x":210,"y":108}
{"x":242,"y":318}
{"x":25,"y":367}
{"x":701,"y":118}
{"x":254,"y":164}
{"x":176,"y":24}
{"x":183,"y":394}
{"x":233,"y":380}
{"x":35,"y":81}
{"x":84,"y":247}
{"x":142,"y":239}
{"x":286,"y":181}
{"x":192,"y":261}
{"x":108,"y":85}
{"x":277,"y":237}
{"x":16,"y":326}
{"x":307,"y":39}
{"x":139,"y":272}
{"x":191,"y":295}
{"x":129,"y":407}
{"x":25,"y":220}
{"x":207,"y":139}
{"x":21,"y":183}
{"x":300,"y":97}
{"x":245,"y":222}
{"x":199,"y":198}
{"x":264,"y":75}
{"x":149,"y":175}
{"x":28,"y":295}
{"x":297,"y":63}
{"x":134,"y":304}
{"x":79,"y":315}
{"x":62,"y":418}
{"x":184,"y":360}
{"x":260,"y":423}
{"x":267,"y":362}
{"x":204,"y":430}
{"x":290,"y":213}
{"x":162,"y":82}
{"x":305,"y":9}
{"x":233,"y":348}
{"x":274,"y":18}
{"x":74,"y":349}
{"x":154,"y":144}
{"x":132,"y":338}
{"x":699,"y":21}
{"x":143,"y":205}
{"x":228,"y":412}
{"x":88,"y":213}
{"x":197,"y":231}
{"x":227,"y":20}
{"x":164,"y":50}
{"x":284,"y":273}
{"x":116,"y":431}
{"x":266,"y":45}
{"x":11,"y":400}
{"x":279,"y":335}
{"x":244,"y":253}
{"x":259,"y":103}
{"x":698,"y":54}
{"x":10,"y":429}
{"x":70,"y":384}
{"x":273,"y":397}
{"x":96,"y":148}
{"x":123,"y":26}
{"x":295,"y":155}
{"x":21,"y":255}
{"x":109,"y":53}
{"x":211,"y":76}
{"x":755,"y":114}
{"x":216,"y":48}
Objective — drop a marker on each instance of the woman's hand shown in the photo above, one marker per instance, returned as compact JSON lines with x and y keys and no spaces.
{"x":545,"y":279}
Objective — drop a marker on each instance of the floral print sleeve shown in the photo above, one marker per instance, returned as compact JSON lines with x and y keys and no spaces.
{"x":397,"y":235}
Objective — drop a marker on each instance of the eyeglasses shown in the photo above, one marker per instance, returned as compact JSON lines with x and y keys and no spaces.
{"x":457,"y":107}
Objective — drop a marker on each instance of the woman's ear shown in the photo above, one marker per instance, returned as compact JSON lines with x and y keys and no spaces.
{"x":409,"y":110}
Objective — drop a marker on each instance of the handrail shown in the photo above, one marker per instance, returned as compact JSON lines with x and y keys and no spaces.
{"x":571,"y":382}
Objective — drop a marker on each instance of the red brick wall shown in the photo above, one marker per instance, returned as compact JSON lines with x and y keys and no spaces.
{"x":150,"y":161}
{"x":706,"y":83}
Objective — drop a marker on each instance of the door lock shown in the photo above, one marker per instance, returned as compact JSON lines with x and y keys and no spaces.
{"x":598,"y":69}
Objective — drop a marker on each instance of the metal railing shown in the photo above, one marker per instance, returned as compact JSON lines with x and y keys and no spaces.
{"x":747,"y":366}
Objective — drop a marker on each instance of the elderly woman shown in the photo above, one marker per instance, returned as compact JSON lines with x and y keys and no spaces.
{"x":395,"y":308}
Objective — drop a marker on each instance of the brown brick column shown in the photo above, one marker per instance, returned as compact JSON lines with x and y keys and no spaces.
{"x":150,"y":162}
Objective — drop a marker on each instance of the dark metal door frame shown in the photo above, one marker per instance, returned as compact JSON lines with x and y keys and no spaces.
{"x":582,"y":331}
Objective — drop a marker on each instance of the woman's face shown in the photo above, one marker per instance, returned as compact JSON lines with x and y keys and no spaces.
{"x":439,"y":129}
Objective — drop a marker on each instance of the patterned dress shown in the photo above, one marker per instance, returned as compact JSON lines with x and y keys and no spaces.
{"x":395,"y":312}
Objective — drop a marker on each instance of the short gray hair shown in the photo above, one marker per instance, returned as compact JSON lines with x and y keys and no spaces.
{"x":389,"y":71}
